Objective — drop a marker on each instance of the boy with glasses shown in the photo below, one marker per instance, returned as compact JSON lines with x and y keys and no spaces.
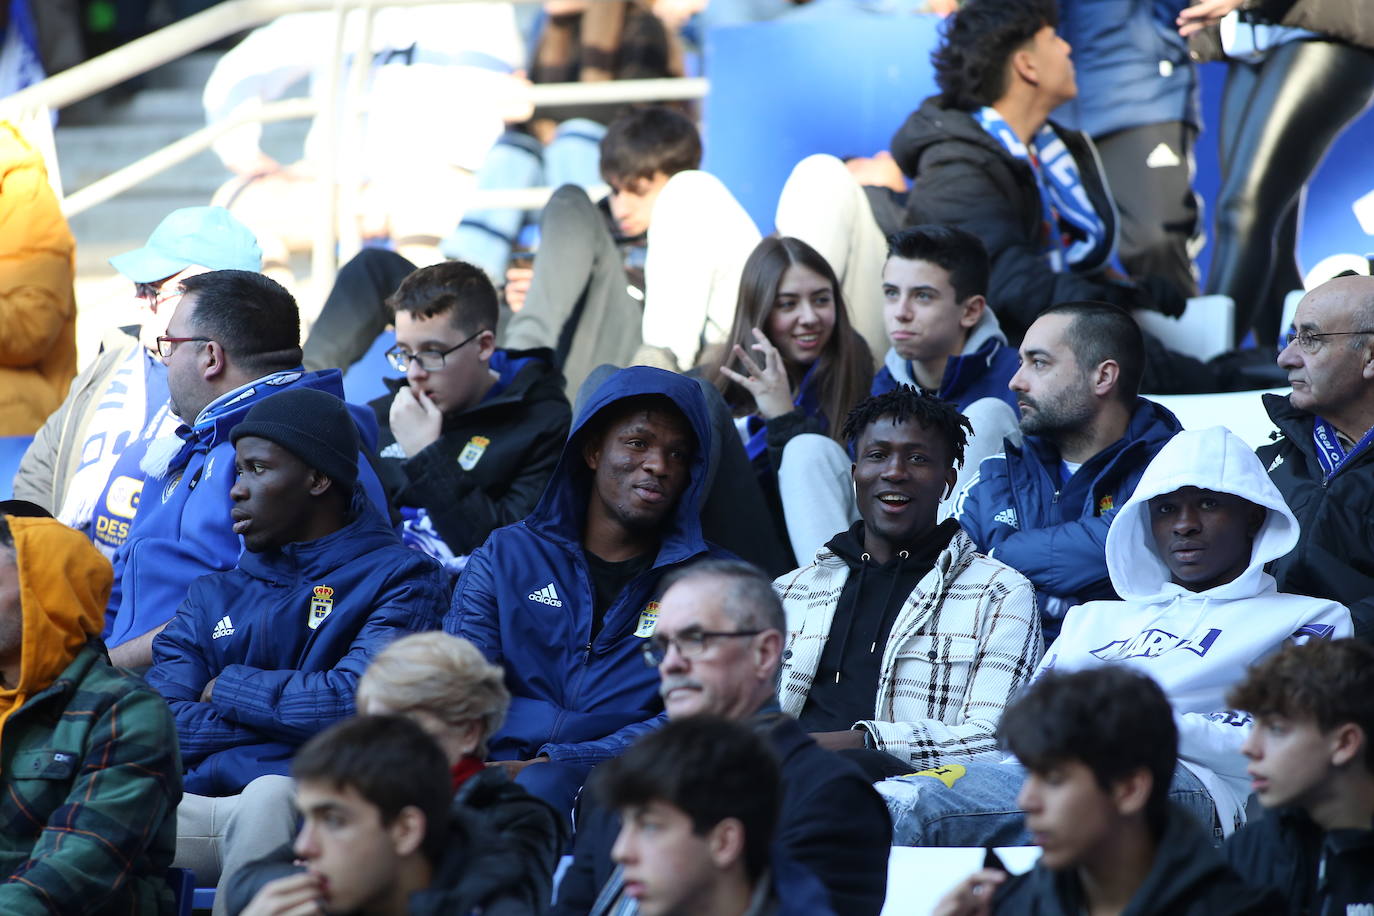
{"x":470,"y":437}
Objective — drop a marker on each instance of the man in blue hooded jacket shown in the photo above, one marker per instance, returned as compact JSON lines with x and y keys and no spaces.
{"x":260,"y":658}
{"x":233,"y":340}
{"x":1044,"y":508}
{"x":565,"y":599}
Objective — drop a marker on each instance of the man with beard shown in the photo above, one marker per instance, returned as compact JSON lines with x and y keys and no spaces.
{"x":1044,"y":508}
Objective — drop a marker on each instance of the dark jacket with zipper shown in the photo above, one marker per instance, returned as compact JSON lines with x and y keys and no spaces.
{"x":1318,"y":873}
{"x":831,"y":822}
{"x":1335,"y":557}
{"x":963,"y":177}
{"x":1188,"y":878}
{"x":517,"y":435}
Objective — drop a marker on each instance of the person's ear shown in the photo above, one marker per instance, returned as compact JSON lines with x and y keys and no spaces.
{"x":971,"y":311}
{"x":1347,"y":743}
{"x":469,"y":736}
{"x":1105,"y":377}
{"x":213,"y":360}
{"x":486,"y":345}
{"x":725,"y":843}
{"x":1024,"y":66}
{"x":407,"y":830}
{"x":768,"y":652}
{"x":319,"y":482}
{"x":951,"y":477}
{"x":1131,"y":793}
{"x":1255,"y":521}
{"x":591,"y":453}
{"x":1367,"y":370}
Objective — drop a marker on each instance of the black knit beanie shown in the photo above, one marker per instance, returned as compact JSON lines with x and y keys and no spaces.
{"x":314,"y":426}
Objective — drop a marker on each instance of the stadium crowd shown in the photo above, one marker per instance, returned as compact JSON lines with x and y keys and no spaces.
{"x":685,"y":570}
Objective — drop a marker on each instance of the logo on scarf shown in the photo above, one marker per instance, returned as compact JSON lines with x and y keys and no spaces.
{"x":320,"y":606}
{"x":472,"y":452}
{"x":648,"y":620}
{"x":1153,"y":643}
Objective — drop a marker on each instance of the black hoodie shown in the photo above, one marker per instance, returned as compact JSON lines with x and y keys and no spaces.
{"x":1288,"y":851}
{"x":1188,"y":878}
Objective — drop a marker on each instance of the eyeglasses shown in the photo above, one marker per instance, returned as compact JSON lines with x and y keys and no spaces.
{"x":152,"y":293}
{"x":690,"y":644}
{"x":429,"y":360}
{"x":1311,"y":342}
{"x":165,"y":345}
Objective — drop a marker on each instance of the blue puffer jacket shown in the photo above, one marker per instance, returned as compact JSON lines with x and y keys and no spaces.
{"x":1017,"y":511}
{"x":1133,"y":67}
{"x":287,"y":635}
{"x":182,"y":529}
{"x":982,"y":370}
{"x":576,"y":699}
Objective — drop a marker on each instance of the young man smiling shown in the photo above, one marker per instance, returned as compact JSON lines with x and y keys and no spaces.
{"x":901,"y":637}
{"x":261,"y":657}
{"x":1187,"y":556}
{"x":469,"y":439}
{"x":1098,"y":749}
{"x":565,"y":599}
{"x":1312,"y":769}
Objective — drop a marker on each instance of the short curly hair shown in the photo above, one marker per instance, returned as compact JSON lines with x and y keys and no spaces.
{"x":906,"y":403}
{"x":971,"y":63}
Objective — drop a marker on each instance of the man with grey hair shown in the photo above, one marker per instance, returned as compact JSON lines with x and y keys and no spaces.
{"x":718,"y":646}
{"x":1322,"y":462}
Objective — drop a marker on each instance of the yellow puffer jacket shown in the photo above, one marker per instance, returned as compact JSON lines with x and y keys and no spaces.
{"x":37,"y":303}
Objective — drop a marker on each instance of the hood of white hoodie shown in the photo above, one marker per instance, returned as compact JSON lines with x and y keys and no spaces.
{"x":987,"y":328}
{"x":1211,"y":459}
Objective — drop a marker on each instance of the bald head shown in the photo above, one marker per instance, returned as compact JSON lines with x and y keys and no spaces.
{"x":1353,"y":295}
{"x":1333,"y":375}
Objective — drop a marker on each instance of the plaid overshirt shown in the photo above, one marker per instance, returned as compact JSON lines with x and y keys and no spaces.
{"x":91,"y":779}
{"x":965,"y":641}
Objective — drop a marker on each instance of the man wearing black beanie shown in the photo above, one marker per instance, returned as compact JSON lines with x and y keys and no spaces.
{"x":260,"y":658}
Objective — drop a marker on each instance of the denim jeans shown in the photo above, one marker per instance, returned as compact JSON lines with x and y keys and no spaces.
{"x":975,"y":805}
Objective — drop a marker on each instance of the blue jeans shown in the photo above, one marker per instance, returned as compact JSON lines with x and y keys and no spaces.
{"x":977,"y":807}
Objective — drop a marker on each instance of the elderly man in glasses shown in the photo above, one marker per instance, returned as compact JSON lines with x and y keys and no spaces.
{"x":718,"y":647}
{"x":1322,"y":463}
{"x":471,"y":435}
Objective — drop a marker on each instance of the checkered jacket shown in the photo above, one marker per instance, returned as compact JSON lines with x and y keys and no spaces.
{"x":965,"y":641}
{"x":90,"y":780}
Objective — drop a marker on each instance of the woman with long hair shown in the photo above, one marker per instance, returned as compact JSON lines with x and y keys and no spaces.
{"x":808,"y":366}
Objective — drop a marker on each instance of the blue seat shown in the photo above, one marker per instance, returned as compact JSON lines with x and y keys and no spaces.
{"x":183,"y":884}
{"x":362,"y":381}
{"x":781,"y":91}
{"x":12,"y":449}
{"x":203,"y":898}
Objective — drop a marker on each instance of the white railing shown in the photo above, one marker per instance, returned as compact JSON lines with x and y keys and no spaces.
{"x":29,"y":108}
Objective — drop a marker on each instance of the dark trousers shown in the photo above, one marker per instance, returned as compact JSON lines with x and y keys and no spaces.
{"x":355,"y":312}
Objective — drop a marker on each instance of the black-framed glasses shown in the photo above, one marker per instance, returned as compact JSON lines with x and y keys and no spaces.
{"x":1312,"y":342}
{"x":690,"y":643}
{"x":165,"y":345}
{"x":429,"y":360}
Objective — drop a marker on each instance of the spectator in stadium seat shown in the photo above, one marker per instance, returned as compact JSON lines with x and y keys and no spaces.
{"x":469,"y":440}
{"x":260,"y":658}
{"x":718,"y":648}
{"x":1312,"y":769}
{"x":1098,"y":748}
{"x":233,"y":340}
{"x":565,"y":599}
{"x":1044,"y":508}
{"x":1323,"y":464}
{"x":656,"y":263}
{"x":89,"y":778}
{"x":118,"y":404}
{"x":698,"y":803}
{"x":1187,"y":555}
{"x":901,"y":607}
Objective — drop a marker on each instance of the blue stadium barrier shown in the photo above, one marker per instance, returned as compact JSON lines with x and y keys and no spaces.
{"x":12,"y":450}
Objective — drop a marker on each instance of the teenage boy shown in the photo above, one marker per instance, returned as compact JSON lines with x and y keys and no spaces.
{"x":901,"y":637}
{"x":1044,"y":508}
{"x":658,"y":262}
{"x":565,"y":599}
{"x":261,"y":657}
{"x":381,"y":834}
{"x":469,"y":439}
{"x":1311,"y":768}
{"x":1187,"y":556}
{"x":1098,"y":749}
{"x":698,"y":802}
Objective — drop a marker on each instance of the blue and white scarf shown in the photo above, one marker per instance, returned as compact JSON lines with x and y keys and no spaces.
{"x":1330,"y":453}
{"x":1074,"y":232}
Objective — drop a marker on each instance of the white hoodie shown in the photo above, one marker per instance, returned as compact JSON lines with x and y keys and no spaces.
{"x":1196,"y":645}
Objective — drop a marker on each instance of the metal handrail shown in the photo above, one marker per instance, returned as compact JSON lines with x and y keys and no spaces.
{"x":30,"y":106}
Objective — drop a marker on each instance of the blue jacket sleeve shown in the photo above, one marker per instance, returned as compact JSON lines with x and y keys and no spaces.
{"x":1061,"y":560}
{"x":970,"y":503}
{"x":602,"y":749}
{"x":180,"y":672}
{"x":473,"y":614}
{"x":291,"y":706}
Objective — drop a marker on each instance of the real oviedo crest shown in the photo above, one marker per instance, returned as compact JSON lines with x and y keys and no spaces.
{"x":321,"y":603}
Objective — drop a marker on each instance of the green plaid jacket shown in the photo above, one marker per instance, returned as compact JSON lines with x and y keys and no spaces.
{"x":90,"y":778}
